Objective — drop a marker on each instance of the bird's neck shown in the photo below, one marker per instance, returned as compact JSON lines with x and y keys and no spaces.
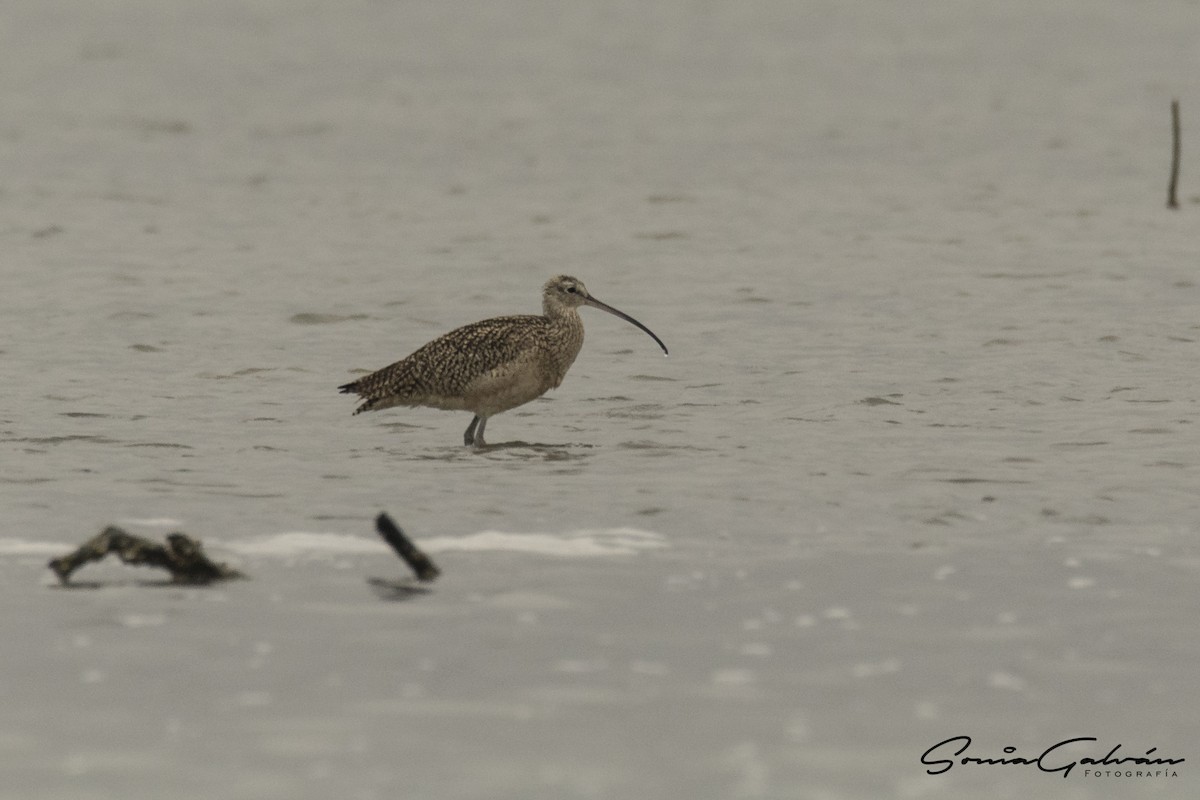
{"x":557,"y":312}
{"x":569,"y":325}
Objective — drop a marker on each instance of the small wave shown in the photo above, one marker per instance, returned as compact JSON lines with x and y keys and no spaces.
{"x":152,"y":522}
{"x":16,"y":546}
{"x":296,"y":544}
{"x":314,"y":318}
{"x":600,"y":542}
{"x":26,"y":547}
{"x":605,"y":542}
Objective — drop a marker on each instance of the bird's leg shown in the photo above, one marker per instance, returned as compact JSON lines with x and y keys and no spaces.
{"x":474,"y":433}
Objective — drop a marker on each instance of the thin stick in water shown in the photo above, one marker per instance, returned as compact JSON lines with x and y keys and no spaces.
{"x":1172,"y":200}
{"x":404,"y":547}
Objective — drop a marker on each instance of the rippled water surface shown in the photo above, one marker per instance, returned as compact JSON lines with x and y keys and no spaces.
{"x":922,"y":462}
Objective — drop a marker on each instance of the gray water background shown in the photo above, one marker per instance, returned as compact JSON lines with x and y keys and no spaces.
{"x":922,"y":458}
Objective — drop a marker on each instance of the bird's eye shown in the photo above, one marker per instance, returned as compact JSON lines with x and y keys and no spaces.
{"x":571,"y":289}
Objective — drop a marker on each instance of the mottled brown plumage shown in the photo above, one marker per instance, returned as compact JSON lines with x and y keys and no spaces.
{"x":490,"y":366}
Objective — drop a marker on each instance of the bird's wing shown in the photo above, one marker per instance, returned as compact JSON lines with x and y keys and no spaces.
{"x":448,"y":364}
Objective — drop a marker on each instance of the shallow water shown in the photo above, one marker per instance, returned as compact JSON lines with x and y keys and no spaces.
{"x":920,"y":463}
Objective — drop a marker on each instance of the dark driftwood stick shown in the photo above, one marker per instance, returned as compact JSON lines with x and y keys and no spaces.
{"x":418,"y":561}
{"x":1176,"y":149}
{"x":182,"y":556}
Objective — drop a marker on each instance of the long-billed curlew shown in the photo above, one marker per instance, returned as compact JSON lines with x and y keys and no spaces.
{"x":490,"y":366}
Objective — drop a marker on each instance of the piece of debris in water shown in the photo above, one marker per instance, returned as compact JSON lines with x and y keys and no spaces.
{"x":182,"y":556}
{"x":404,"y":547}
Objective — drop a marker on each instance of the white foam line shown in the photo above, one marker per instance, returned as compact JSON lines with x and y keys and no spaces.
{"x":25,"y":547}
{"x":297,"y":543}
{"x":604,"y":542}
{"x":153,"y":522}
{"x":587,"y":543}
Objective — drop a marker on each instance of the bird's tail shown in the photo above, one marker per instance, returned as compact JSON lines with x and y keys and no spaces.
{"x":354,"y":387}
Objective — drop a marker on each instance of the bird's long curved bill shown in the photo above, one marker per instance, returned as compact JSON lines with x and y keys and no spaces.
{"x":594,"y":303}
